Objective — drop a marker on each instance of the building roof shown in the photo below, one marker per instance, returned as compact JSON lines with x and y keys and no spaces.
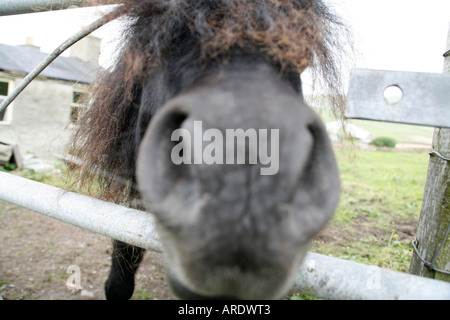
{"x":23,"y":60}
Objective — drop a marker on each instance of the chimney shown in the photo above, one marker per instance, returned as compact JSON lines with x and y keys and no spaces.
{"x":29,"y":44}
{"x":87,"y":49}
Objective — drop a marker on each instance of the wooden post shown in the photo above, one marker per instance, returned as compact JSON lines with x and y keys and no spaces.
{"x":432,"y":231}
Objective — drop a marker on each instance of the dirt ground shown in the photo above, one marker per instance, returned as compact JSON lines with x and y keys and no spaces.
{"x":38,"y":254}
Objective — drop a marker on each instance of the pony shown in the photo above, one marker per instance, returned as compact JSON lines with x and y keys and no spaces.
{"x":227,"y":229}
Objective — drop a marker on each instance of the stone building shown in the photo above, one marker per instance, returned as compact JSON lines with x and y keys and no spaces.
{"x":38,"y":121}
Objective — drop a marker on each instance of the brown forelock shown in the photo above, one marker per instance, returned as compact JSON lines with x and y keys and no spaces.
{"x":293,"y":35}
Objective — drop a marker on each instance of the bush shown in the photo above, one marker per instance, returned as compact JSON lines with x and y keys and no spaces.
{"x":384,"y":142}
{"x":8,"y":167}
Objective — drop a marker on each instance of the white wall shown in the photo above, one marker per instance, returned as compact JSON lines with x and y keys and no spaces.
{"x":40,"y":118}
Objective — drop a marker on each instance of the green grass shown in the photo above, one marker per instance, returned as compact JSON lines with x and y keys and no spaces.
{"x":59,"y":177}
{"x":381,"y":195}
{"x":378,"y":211}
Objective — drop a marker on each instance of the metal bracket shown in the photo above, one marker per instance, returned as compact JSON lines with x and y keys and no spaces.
{"x":422,"y":99}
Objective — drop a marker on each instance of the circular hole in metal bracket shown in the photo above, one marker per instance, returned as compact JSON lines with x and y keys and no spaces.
{"x":393,"y":94}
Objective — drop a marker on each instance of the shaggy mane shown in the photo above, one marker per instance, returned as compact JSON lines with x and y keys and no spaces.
{"x":291,"y":34}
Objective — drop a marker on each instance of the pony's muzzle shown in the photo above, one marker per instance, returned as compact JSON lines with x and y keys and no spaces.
{"x":239,"y":188}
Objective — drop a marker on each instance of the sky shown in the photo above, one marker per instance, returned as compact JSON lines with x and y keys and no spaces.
{"x":402,"y":35}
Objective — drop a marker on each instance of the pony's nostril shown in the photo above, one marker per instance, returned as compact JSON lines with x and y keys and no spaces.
{"x":175,"y":120}
{"x":167,"y":126}
{"x":312,"y":129}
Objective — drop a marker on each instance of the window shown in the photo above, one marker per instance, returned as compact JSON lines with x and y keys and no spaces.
{"x":77,"y":103}
{"x":5,"y":115}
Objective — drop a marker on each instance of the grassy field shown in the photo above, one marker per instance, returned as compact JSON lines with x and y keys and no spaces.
{"x":379,"y":208}
{"x":381,"y":197}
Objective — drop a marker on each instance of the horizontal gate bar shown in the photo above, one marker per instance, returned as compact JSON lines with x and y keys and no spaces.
{"x":11,"y":7}
{"x":105,"y":218}
{"x":421,"y":98}
{"x":338,"y":279}
{"x":321,"y":276}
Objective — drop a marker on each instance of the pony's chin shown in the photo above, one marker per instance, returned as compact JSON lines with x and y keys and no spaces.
{"x":184,"y":293}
